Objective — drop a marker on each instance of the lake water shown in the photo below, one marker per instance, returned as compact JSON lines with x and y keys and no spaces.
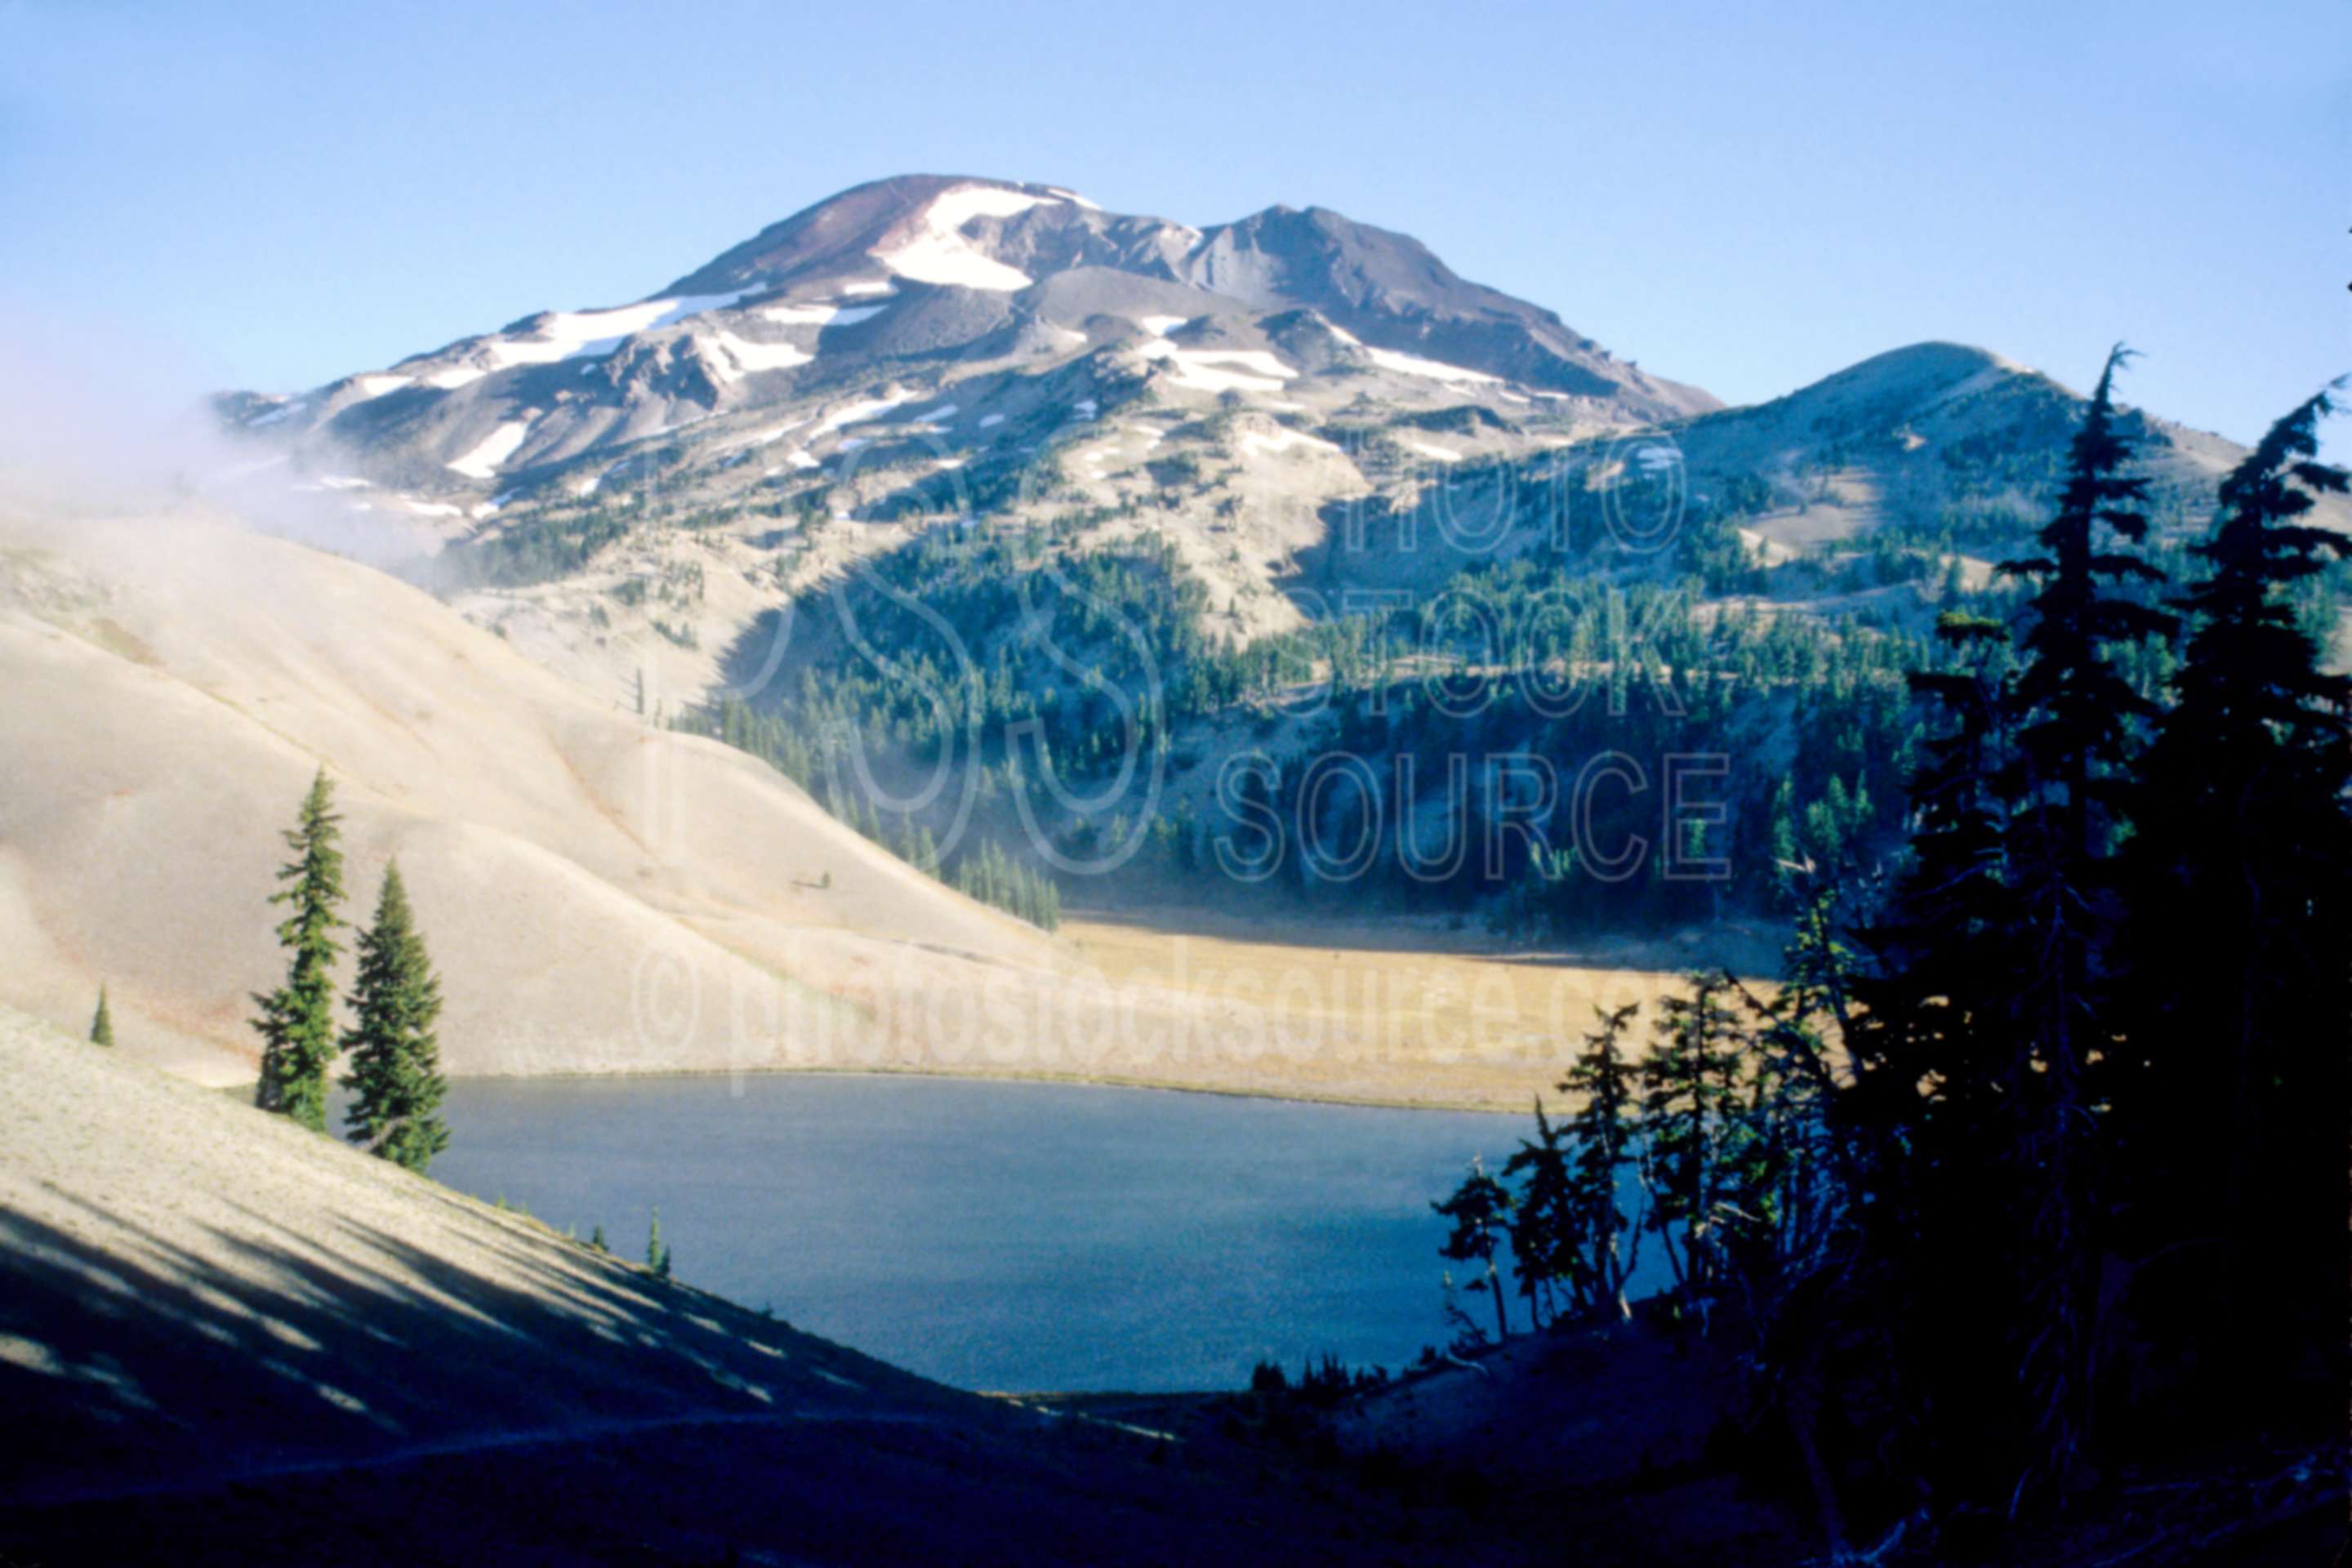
{"x":1006,"y":1235}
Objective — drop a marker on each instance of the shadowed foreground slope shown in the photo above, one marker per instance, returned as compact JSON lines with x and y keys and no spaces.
{"x":220,"y":1331}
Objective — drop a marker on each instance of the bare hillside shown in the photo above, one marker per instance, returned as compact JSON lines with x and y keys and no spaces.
{"x":600,"y":894}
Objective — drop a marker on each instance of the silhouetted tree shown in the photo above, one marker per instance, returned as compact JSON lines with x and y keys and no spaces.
{"x":1605,"y":1133}
{"x":101,"y":1024}
{"x":1480,"y":1209}
{"x":1986,"y":1036}
{"x":1688,"y":1083}
{"x":2077,"y":722}
{"x":2243,"y":895}
{"x":1543,"y":1233}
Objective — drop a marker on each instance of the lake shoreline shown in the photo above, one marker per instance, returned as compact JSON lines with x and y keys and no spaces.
{"x":1009,"y":1075}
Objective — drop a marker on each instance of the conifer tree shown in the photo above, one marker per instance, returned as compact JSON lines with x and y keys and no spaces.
{"x":1480,"y":1209}
{"x":1605,"y":1136}
{"x":395,"y":1064}
{"x":1687,"y":1087}
{"x":656,"y":1250}
{"x":296,"y":1021}
{"x":1982,"y":1040}
{"x":101,"y":1025}
{"x":2243,"y":1011}
{"x":1542,"y":1223}
{"x":1806,"y":1165}
{"x":2077,"y":726}
{"x":1925,"y":1035}
{"x":1787,"y":853}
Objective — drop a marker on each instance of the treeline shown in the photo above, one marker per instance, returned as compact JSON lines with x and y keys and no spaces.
{"x":994,"y":878}
{"x":1815,"y":727}
{"x":535,"y":549}
{"x":964,"y":652}
{"x":2032,"y":1170}
{"x":986,"y":872}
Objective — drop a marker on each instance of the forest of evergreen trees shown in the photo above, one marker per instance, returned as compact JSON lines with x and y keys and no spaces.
{"x":2031,"y":1168}
{"x":1024,"y":667}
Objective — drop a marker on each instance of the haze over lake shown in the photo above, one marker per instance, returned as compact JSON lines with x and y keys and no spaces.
{"x":1007,"y":1236}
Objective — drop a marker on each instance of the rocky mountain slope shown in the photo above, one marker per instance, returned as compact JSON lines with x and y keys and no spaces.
{"x":1934,"y":436}
{"x":932,"y":279}
{"x":630,"y":487}
{"x":991,"y":432}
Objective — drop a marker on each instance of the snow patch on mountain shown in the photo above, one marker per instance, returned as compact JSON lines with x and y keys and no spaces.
{"x":739,"y":357}
{"x":1207,"y":370}
{"x":1282,"y":440}
{"x":1413,"y":365}
{"x":859,"y":413}
{"x":583,"y":334}
{"x":938,"y":253}
{"x":495,"y":448}
{"x":820,"y":314}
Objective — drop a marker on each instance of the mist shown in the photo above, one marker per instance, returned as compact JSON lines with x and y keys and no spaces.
{"x":95,"y":419}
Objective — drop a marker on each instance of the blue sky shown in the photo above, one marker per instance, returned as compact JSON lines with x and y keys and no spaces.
{"x":272,"y":194}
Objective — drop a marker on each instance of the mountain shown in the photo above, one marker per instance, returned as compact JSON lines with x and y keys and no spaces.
{"x":945,"y":463}
{"x":1935,"y":434}
{"x":940,"y":279}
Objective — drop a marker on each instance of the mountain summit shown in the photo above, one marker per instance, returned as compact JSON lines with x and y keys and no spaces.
{"x":1387,"y":288}
{"x":934,"y":279}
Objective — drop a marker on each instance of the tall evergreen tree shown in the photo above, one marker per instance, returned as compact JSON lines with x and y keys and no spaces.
{"x":1985,"y":1038}
{"x":1480,"y":1209}
{"x":2243,"y":1012}
{"x":395,"y":1063}
{"x":1542,"y":1223}
{"x":1688,"y":1084}
{"x":1783,"y":1164}
{"x":101,"y":1025}
{"x":1605,"y":1134}
{"x":1926,"y":1030}
{"x":296,"y":1021}
{"x":2078,"y":722}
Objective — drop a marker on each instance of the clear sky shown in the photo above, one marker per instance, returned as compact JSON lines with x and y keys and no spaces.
{"x":269,"y":194}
